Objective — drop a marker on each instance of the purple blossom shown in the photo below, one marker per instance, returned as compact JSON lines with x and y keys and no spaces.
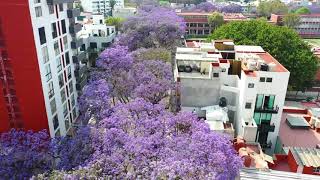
{"x":205,"y":7}
{"x":231,"y":8}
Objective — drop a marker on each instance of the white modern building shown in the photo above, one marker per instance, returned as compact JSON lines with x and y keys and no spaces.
{"x":247,"y":80}
{"x":38,"y":74}
{"x":100,"y":6}
{"x":96,"y":36}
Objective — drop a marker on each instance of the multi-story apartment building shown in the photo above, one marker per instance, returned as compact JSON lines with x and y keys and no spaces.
{"x":37,"y":76}
{"x":197,"y":22}
{"x":100,"y":6}
{"x":248,"y":80}
{"x":309,"y":26}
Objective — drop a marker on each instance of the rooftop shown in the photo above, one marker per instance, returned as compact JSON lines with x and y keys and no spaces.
{"x":309,"y":157}
{"x":226,"y":16}
{"x":293,"y":137}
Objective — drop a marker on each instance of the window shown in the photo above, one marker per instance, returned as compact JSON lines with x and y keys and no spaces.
{"x":93,"y":45}
{"x":262,"y":79}
{"x":260,"y":117}
{"x":67,"y":124}
{"x":51,"y":9}
{"x":248,"y":105}
{"x":223,"y":70}
{"x":53,"y":106}
{"x":251,"y":85}
{"x":56,"y":48}
{"x":65,"y":42}
{"x":63,"y":95}
{"x":65,"y":110}
{"x":51,"y":90}
{"x":259,"y":101}
{"x":61,"y":82}
{"x":73,"y":102}
{"x":57,"y":134}
{"x":45,"y":55}
{"x":74,"y":113}
{"x":69,"y":72}
{"x":269,"y":80}
{"x":59,"y":66}
{"x":83,"y":47}
{"x":265,"y":102}
{"x":71,"y":87}
{"x":215,"y":74}
{"x":37,"y":1}
{"x":42,"y":35}
{"x":38,"y":11}
{"x":54,"y":30}
{"x":48,"y":72}
{"x":63,"y":26}
{"x":67,"y":58}
{"x":60,"y":7}
{"x":55,"y":122}
{"x":316,"y":170}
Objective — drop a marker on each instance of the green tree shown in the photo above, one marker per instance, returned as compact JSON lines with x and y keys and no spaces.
{"x":303,"y":10}
{"x":215,"y":20}
{"x":282,"y":43}
{"x":266,"y":8}
{"x":291,"y":20}
{"x":114,"y":21}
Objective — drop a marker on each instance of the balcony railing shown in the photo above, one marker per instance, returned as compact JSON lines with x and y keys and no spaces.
{"x":73,"y":13}
{"x":81,"y":83}
{"x":81,"y":56}
{"x":74,"y":28}
{"x":274,"y":110}
{"x":76,"y":43}
{"x":80,"y":70}
{"x":53,"y":2}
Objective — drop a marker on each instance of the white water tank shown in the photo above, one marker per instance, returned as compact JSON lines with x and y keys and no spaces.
{"x":272,"y":66}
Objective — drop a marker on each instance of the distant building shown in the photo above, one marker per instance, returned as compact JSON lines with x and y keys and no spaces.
{"x":253,"y":83}
{"x":100,"y":6}
{"x":37,"y":76}
{"x":124,"y":12}
{"x":197,"y":23}
{"x":309,"y":26}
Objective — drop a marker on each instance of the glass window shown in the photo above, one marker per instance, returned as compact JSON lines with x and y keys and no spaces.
{"x":251,"y":85}
{"x":269,"y":80}
{"x":259,"y":101}
{"x":45,"y":54}
{"x":51,"y":9}
{"x":42,"y":35}
{"x":56,"y":48}
{"x":53,"y":106}
{"x":48,"y":72}
{"x":65,"y":42}
{"x":38,"y":11}
{"x":63,"y":26}
{"x":54,"y":30}
{"x":61,"y":82}
{"x":271,"y":101}
{"x":65,"y":109}
{"x":60,"y":7}
{"x":67,"y":59}
{"x":59,"y":66}
{"x":63,"y":95}
{"x":262,"y":79}
{"x":37,"y":1}
{"x":256,"y":117}
{"x":71,"y":87}
{"x":73,"y":102}
{"x":74,"y":113}
{"x":69,"y":72}
{"x":55,"y":122}
{"x":248,"y":105}
{"x":51,"y":90}
{"x":67,"y":124}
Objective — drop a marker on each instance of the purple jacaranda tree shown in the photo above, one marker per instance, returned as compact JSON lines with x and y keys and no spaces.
{"x":141,"y":140}
{"x":153,"y":80}
{"x":231,"y":8}
{"x":25,"y":153}
{"x":152,"y":28}
{"x":205,"y":7}
{"x":95,"y":100}
{"x":143,"y":54}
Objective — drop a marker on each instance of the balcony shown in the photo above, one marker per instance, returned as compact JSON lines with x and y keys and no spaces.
{"x":76,"y":43}
{"x":73,"y":13}
{"x":81,"y":83}
{"x":53,"y":2}
{"x":274,"y":110}
{"x":81,"y":56}
{"x":74,"y":28}
{"x":266,"y":128}
{"x":80,"y":71}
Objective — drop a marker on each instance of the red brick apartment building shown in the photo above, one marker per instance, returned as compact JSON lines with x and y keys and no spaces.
{"x":197,"y":22}
{"x":309,"y":26}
